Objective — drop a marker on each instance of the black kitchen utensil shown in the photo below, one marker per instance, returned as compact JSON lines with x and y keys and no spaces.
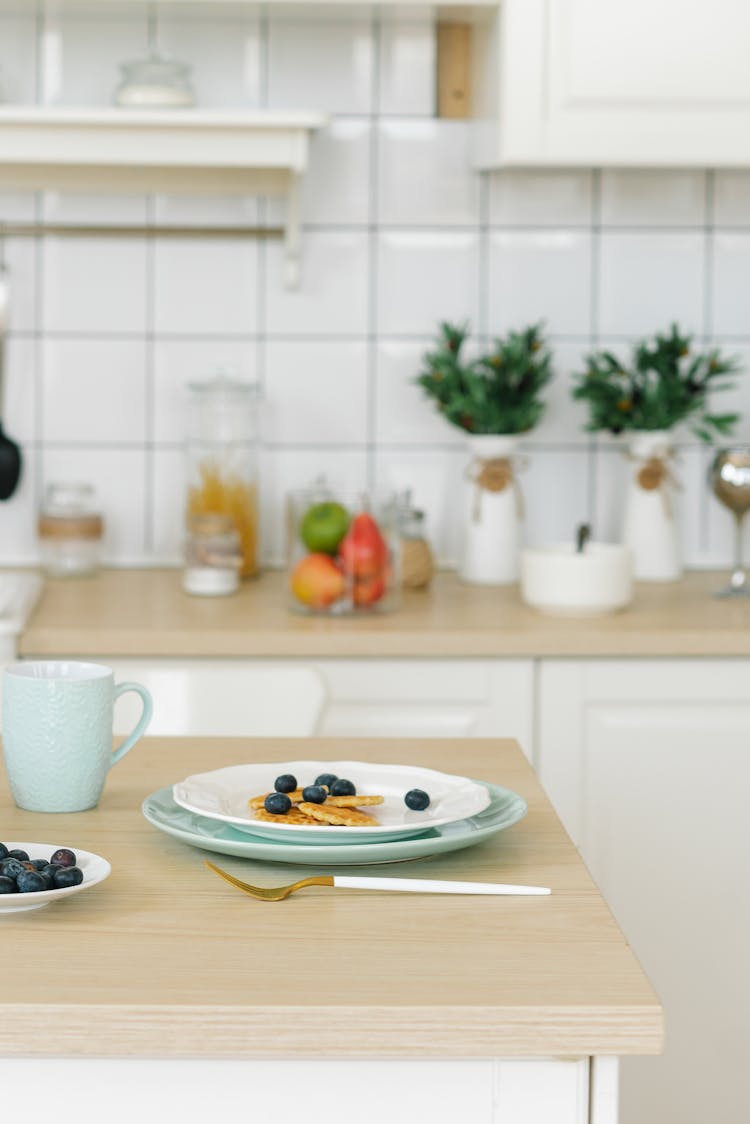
{"x":10,"y":454}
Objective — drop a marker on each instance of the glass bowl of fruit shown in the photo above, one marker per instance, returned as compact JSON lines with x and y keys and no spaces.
{"x":342,"y":551}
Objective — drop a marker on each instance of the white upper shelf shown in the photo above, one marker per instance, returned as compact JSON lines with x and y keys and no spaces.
{"x":153,"y":146}
{"x":193,"y":151}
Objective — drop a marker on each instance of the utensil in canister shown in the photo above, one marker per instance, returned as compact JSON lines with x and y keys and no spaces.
{"x":729,"y":477}
{"x":402,"y":885}
{"x":10,"y":454}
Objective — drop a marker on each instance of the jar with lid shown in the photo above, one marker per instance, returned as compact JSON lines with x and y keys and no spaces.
{"x":222,"y":450}
{"x":213,"y":556}
{"x":70,"y":530}
{"x":417,"y":562}
{"x":155,"y":82}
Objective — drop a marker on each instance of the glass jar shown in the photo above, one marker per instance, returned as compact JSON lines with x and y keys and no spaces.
{"x":213,"y":556}
{"x":70,"y":530}
{"x":417,"y":563}
{"x":343,"y":555}
{"x":155,"y":82}
{"x":222,"y":450}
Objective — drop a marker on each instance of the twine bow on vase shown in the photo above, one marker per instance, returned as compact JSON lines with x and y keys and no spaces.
{"x":495,"y":513}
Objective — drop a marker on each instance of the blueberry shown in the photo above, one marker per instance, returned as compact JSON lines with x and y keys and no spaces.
{"x":417,"y":800}
{"x":31,"y":882}
{"x":285,"y":783}
{"x":64,"y":857}
{"x":3,"y":851}
{"x":327,"y":779}
{"x":343,"y":787}
{"x":38,"y":864}
{"x":277,"y":803}
{"x":10,"y":867}
{"x":17,"y":853}
{"x":68,"y":876}
{"x":314,"y":793}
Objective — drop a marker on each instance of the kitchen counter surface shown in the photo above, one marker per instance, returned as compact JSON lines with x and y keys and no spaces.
{"x":165,"y":959}
{"x":145,"y":612}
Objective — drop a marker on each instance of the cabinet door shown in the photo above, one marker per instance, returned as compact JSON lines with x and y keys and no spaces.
{"x":648,"y":764}
{"x":429,"y":698}
{"x":363,"y":698}
{"x":606,"y":82}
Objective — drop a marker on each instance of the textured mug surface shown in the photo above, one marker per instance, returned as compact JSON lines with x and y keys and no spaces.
{"x":57,"y":732}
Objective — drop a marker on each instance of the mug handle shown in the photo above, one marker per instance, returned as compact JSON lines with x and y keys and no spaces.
{"x":143,"y":721}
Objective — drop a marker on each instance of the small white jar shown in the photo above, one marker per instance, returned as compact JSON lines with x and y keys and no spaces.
{"x":213,"y":556}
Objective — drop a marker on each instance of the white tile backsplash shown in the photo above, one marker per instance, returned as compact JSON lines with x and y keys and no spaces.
{"x":206,"y":286}
{"x":104,"y":379}
{"x":541,"y":275}
{"x":316,"y":392}
{"x":422,"y":174}
{"x":93,"y":284}
{"x":649,"y":279}
{"x":407,"y":65}
{"x":632,"y":198}
{"x":325,"y":64}
{"x":730,"y":282}
{"x":550,"y":198}
{"x":424,"y":277}
{"x":332,"y":299}
{"x":18,"y":57}
{"x":398,"y":233}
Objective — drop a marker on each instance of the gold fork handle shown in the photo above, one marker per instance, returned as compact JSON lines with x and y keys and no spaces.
{"x":318,"y":880}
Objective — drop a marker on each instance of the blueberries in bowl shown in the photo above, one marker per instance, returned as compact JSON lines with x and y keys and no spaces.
{"x":31,"y":876}
{"x":63,"y":857}
{"x":328,"y":779}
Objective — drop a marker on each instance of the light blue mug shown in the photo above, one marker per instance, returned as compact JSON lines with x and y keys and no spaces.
{"x":57,"y":718}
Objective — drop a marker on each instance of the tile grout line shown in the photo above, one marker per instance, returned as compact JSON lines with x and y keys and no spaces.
{"x":149,"y":339}
{"x":373,"y":263}
{"x":704,"y":513}
{"x":592,"y":498}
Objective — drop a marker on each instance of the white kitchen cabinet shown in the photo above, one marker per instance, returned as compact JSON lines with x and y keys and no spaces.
{"x":648,"y":764}
{"x":600,"y":82}
{"x":369,"y":697}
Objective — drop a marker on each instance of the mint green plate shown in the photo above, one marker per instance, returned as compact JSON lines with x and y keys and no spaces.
{"x":505,"y":808}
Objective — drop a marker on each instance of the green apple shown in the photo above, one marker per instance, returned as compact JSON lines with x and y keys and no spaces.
{"x":323,"y":526}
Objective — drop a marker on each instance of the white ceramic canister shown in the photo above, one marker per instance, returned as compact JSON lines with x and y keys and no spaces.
{"x":650,"y":528}
{"x":493,"y":523}
{"x":558,"y":579}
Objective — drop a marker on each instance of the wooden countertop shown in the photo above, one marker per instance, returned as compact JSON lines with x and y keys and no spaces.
{"x":165,"y":959}
{"x":145,"y":612}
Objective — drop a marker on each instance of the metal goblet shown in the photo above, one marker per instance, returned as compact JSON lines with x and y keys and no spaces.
{"x":729,"y":477}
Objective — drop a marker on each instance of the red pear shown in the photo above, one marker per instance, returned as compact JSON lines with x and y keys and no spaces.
{"x":363,"y":551}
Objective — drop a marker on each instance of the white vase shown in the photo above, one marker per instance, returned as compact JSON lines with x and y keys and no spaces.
{"x":650,"y":527}
{"x":492,"y":529}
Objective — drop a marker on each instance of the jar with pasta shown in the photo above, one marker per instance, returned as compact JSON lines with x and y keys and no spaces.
{"x":223,"y":458}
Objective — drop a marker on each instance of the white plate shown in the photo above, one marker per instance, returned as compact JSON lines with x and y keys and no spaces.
{"x":223,"y":794}
{"x":95,"y":869}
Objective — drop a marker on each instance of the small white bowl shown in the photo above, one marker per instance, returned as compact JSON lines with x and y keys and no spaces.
{"x":95,"y":869}
{"x":559,"y":580}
